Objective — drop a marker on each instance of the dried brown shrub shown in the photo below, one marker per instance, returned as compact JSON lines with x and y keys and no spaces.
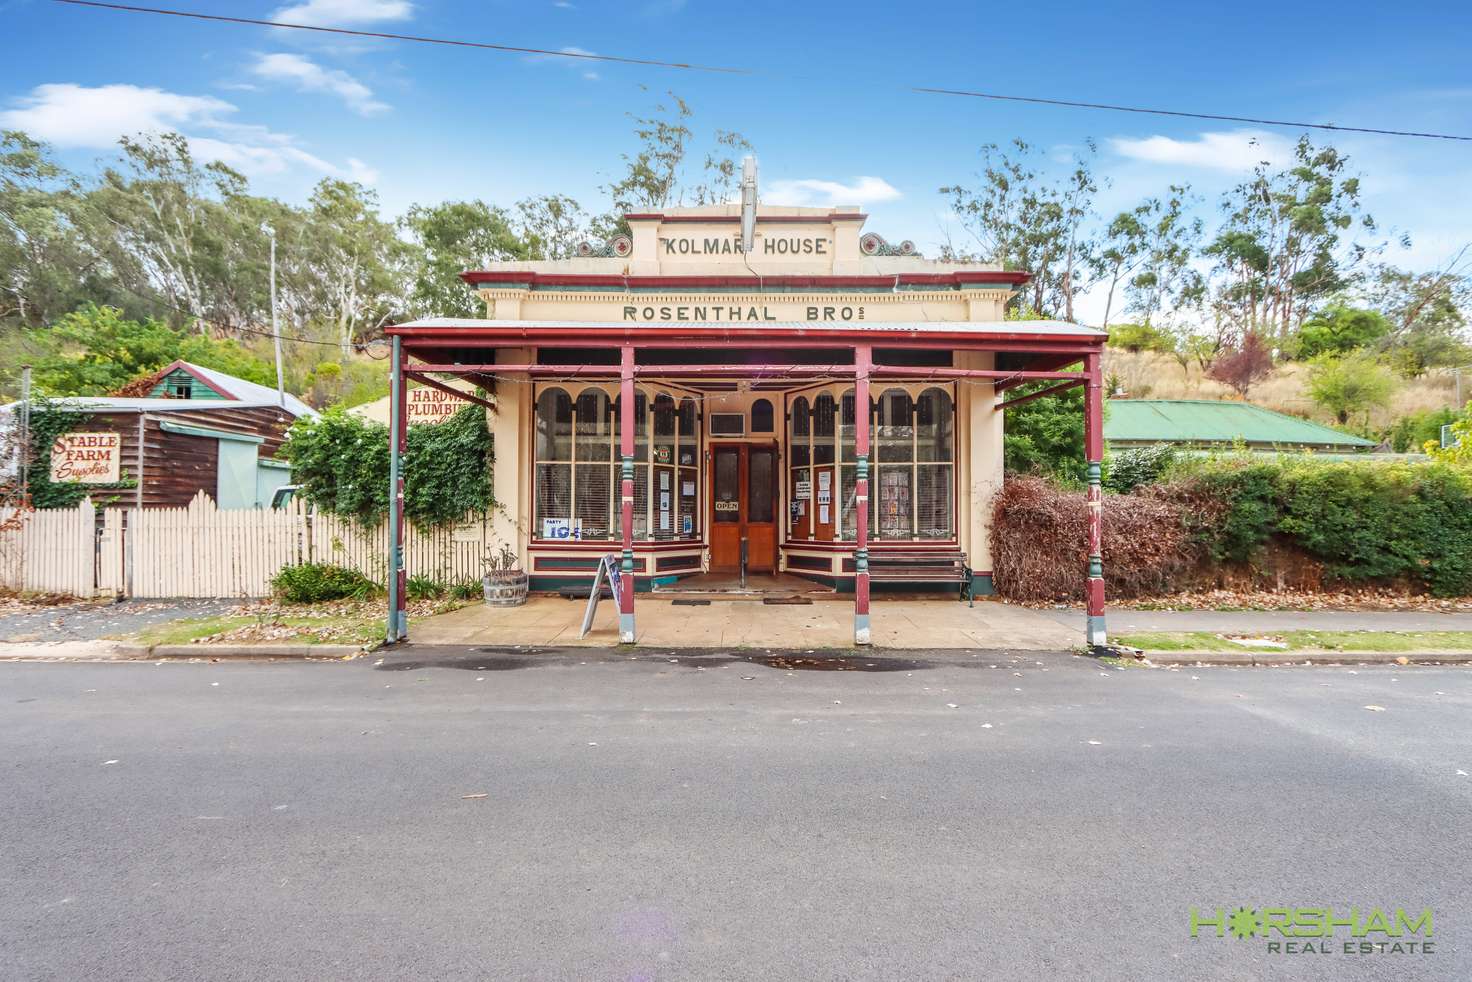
{"x":1040,"y":543}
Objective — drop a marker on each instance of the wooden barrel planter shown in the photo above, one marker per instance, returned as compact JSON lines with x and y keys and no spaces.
{"x":505,"y":589}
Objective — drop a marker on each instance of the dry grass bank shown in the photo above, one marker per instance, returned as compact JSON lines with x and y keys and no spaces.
{"x":1157,"y":376}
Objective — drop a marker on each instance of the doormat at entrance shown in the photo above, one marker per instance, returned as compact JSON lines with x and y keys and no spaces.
{"x":687,"y":602}
{"x":794,"y":599}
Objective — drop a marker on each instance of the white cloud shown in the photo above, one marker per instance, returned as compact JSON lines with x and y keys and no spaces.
{"x":812,"y":191}
{"x":341,"y":13}
{"x":1238,"y":150}
{"x":308,"y":76}
{"x":71,"y":116}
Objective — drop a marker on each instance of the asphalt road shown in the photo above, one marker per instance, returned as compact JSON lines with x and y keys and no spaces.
{"x":717,"y":818}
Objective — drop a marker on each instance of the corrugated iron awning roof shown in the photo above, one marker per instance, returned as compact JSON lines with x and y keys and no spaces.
{"x":1212,"y":421}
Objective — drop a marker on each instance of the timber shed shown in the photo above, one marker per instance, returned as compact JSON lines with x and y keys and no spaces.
{"x":197,"y":430}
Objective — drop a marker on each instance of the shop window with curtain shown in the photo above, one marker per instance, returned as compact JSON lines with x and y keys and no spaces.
{"x":935,"y":450}
{"x":578,"y":468}
{"x":911,"y":462}
{"x":848,"y":469}
{"x":893,"y":486}
{"x":687,"y":458}
{"x":799,"y":462}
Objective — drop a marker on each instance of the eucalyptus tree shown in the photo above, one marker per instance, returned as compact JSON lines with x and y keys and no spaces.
{"x":165,"y":224}
{"x":448,"y":239}
{"x":1288,"y":242}
{"x":1020,"y":216}
{"x":357,"y":263}
{"x":47,"y":263}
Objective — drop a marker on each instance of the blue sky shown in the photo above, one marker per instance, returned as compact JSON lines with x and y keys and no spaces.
{"x":826,"y":108}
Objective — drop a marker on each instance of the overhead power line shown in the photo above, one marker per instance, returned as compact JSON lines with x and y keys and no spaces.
{"x":1189,"y":115}
{"x":687,"y":66}
{"x":454,"y":42}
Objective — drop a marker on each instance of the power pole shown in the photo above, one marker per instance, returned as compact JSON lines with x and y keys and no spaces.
{"x":25,"y":433}
{"x":275,"y":330}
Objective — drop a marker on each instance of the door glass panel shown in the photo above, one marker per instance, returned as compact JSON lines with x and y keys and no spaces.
{"x":689,"y":525}
{"x":759,"y":497}
{"x":728,"y":485}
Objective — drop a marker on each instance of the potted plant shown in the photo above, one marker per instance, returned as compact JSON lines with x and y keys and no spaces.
{"x":502,"y":578}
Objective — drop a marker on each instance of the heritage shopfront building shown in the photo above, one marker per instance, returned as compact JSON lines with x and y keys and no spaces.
{"x":669,"y":397}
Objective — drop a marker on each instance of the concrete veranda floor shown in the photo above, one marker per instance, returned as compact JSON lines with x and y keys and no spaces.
{"x":751,"y":623}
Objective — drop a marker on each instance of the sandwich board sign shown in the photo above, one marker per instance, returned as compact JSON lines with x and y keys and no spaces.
{"x":607,"y":570}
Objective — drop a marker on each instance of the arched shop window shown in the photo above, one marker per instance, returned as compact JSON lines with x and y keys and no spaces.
{"x":761,"y":416}
{"x":578,"y":467}
{"x":935,"y":452}
{"x":892,"y":483}
{"x":592,"y":474}
{"x":911,"y":462}
{"x":801,"y":499}
{"x":552,"y":471}
{"x":687,"y":472}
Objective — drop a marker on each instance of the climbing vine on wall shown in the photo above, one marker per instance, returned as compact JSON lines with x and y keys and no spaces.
{"x":342,"y":463}
{"x":49,"y":421}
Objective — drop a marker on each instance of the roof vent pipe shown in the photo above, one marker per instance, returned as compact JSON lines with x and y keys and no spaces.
{"x":748,"y":203}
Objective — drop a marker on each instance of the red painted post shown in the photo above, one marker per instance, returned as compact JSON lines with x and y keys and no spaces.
{"x":1094,"y":456}
{"x":863,"y":358}
{"x":626,"y":450}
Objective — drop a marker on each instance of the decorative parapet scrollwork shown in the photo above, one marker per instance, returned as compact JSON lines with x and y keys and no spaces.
{"x":873,"y":244}
{"x":617,"y":247}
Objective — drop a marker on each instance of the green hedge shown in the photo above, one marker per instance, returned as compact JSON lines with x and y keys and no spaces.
{"x":1365,"y":521}
{"x":310,"y":583}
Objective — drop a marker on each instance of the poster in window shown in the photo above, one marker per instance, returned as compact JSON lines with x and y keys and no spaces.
{"x":561,"y":528}
{"x":894,"y":501}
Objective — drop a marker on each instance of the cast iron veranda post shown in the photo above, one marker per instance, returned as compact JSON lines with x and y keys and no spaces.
{"x":1094,"y":456}
{"x":397,"y":621}
{"x":626,"y":451}
{"x":863,"y":358}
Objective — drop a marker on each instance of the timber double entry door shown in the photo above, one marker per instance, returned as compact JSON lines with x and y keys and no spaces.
{"x":743,"y":506}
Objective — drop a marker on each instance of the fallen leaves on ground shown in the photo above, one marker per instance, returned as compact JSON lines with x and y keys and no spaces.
{"x":1367,"y":598}
{"x":343,"y":621}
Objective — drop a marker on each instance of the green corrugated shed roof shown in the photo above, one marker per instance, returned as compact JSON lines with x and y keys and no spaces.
{"x":1212,"y":422}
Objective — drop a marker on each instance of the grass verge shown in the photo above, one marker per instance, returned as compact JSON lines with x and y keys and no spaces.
{"x":341,"y":622}
{"x":1386,"y":641}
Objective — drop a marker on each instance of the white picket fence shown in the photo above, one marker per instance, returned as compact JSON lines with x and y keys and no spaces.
{"x":201,"y":551}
